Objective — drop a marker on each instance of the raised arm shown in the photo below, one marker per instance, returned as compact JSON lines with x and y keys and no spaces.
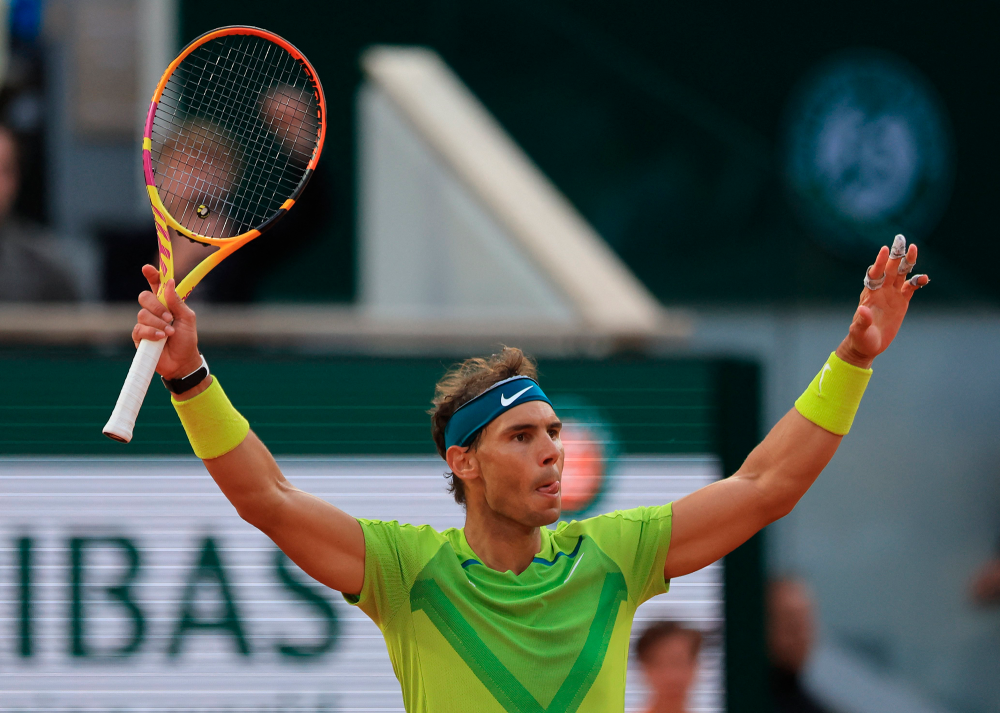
{"x":323,"y":540}
{"x":713,"y":521}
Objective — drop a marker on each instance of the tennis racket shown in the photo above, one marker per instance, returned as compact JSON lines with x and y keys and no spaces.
{"x":233,"y":135}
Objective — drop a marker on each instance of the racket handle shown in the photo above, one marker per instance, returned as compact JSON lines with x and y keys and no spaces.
{"x":122,"y":421}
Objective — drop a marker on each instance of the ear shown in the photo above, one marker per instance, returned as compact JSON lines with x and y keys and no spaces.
{"x":463,"y":462}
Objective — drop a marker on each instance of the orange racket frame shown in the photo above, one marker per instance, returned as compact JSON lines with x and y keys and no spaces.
{"x":122,"y":421}
{"x":163,"y":218}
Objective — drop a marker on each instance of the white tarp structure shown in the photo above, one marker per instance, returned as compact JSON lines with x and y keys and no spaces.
{"x":456,"y":221}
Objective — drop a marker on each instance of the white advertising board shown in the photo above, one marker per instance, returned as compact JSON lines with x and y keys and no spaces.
{"x":132,"y":585}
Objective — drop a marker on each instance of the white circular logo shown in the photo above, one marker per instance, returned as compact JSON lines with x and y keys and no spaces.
{"x":869,"y":151}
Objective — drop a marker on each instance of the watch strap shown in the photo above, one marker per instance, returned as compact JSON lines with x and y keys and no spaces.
{"x":185,"y":383}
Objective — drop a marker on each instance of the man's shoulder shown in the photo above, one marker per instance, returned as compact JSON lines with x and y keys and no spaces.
{"x":404,"y":534}
{"x":643,"y":513}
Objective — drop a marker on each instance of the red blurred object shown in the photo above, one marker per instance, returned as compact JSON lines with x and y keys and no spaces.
{"x":585,"y":467}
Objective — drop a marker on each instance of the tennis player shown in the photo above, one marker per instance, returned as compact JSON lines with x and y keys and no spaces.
{"x":506,"y":614}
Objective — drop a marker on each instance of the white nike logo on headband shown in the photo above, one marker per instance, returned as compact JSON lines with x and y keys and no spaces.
{"x":505,"y":402}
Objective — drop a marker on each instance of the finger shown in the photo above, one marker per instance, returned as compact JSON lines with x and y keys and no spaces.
{"x":148,"y":301}
{"x":907,"y":263}
{"x":915,"y":283}
{"x":896,"y":254}
{"x":175,"y":303}
{"x":148,"y":319}
{"x":875,"y":275}
{"x":152,"y":276}
{"x":141,"y":331}
{"x":878,"y":269}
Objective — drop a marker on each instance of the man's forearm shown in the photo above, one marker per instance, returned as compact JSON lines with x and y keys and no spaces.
{"x":252,"y":481}
{"x":248,"y":475}
{"x":801,"y":444}
{"x":327,"y":543}
{"x":787,"y":462}
{"x":713,"y":521}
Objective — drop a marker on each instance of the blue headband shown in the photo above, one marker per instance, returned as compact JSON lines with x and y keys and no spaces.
{"x":473,"y":415}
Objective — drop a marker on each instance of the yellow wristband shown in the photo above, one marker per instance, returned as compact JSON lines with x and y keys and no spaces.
{"x":212,"y":425}
{"x":834,"y":395}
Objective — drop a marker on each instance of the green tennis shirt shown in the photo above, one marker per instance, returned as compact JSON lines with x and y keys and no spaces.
{"x":463,"y":637}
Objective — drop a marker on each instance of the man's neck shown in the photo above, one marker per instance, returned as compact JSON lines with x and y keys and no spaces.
{"x":668,"y":705}
{"x":499,"y":542}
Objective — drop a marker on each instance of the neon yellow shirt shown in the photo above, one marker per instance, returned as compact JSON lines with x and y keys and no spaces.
{"x":463,"y":637}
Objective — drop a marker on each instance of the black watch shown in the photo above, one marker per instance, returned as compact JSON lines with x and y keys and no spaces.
{"x":185,"y":383}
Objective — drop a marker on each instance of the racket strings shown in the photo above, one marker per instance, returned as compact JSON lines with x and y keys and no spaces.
{"x":201,"y":170}
{"x":243,"y":117}
{"x":198,"y":141}
{"x":237,"y":125}
{"x":286,"y":75}
{"x":240,"y":122}
{"x":280,"y":88}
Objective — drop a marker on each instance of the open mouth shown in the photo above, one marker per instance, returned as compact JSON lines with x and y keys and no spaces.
{"x":549,"y":488}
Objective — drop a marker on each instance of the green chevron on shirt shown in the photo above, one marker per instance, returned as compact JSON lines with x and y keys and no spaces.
{"x":555,"y":637}
{"x":515,"y":698}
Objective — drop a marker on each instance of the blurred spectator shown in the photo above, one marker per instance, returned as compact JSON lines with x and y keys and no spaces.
{"x":33,"y":265}
{"x":668,"y":654}
{"x":791,"y":633}
{"x":239,"y":276}
{"x":986,"y":585}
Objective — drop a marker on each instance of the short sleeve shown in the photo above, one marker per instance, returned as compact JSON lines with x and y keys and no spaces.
{"x":394,"y":556}
{"x":637,"y":540}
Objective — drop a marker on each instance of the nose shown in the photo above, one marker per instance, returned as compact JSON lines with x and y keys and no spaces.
{"x":551,"y":451}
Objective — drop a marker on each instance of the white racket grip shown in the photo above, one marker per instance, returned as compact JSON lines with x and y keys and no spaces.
{"x":122,"y":421}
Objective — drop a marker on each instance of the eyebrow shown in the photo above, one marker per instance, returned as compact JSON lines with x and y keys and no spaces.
{"x":529,"y":426}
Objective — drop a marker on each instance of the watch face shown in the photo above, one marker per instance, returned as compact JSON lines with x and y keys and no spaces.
{"x":868,"y":152}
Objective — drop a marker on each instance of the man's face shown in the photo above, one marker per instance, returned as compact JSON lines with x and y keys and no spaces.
{"x":519,"y":462}
{"x":9,"y":174}
{"x":670,"y":668}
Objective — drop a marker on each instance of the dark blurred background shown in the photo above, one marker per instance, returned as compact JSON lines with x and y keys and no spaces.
{"x":667,"y":125}
{"x":678,"y":130}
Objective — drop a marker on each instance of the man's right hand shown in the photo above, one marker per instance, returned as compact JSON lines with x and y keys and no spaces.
{"x":174,"y":322}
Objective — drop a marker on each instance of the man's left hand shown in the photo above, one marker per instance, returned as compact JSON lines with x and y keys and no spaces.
{"x":881,"y":310}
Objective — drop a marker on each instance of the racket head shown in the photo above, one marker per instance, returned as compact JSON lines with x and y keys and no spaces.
{"x":234,"y":131}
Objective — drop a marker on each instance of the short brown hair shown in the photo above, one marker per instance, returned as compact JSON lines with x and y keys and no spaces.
{"x":464,"y":382}
{"x":658,"y":631}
